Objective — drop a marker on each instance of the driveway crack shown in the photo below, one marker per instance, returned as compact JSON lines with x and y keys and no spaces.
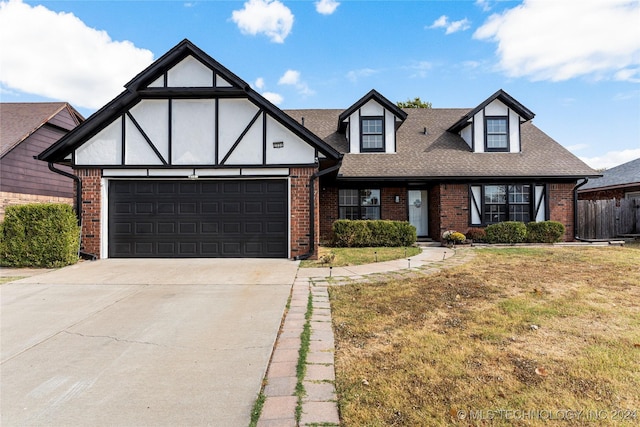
{"x":115,"y":339}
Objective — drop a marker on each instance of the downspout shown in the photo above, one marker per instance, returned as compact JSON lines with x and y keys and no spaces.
{"x":575,"y":208}
{"x":78,"y":182}
{"x":312,"y":209}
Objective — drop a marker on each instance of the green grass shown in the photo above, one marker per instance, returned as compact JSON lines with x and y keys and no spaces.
{"x":257,"y":409}
{"x":301,"y":367}
{"x":359,"y":256}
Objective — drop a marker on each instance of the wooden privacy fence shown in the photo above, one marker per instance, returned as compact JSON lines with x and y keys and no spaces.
{"x":607,"y":219}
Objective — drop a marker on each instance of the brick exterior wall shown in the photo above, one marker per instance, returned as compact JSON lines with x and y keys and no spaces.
{"x":300,"y":209}
{"x":13,"y":199}
{"x":454,"y":208}
{"x":434,"y":212}
{"x":328,"y":211}
{"x":91,"y":203}
{"x":389,"y":208}
{"x":561,"y":207}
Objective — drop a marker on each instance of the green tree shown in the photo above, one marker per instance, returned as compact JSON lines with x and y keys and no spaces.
{"x":414,"y":103}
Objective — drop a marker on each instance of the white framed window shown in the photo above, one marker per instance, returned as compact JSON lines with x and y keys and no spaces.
{"x":359,"y":204}
{"x":371,"y":134}
{"x":496,"y":134}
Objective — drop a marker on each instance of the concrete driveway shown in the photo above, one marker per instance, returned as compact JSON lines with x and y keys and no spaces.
{"x":140,"y":342}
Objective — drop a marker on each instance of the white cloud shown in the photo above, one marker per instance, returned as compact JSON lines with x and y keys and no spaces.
{"x":274,"y":98}
{"x":612,"y":158}
{"x":420,"y":68}
{"x":624,"y":96}
{"x":355,"y":75}
{"x":259,"y":83}
{"x":484,"y":5}
{"x":292,"y":78}
{"x":326,"y":7}
{"x":56,"y":55}
{"x":269,"y":17}
{"x":628,"y":74}
{"x":560,"y":40}
{"x":451,"y":27}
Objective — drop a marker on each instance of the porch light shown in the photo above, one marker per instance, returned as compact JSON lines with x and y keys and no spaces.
{"x":397,"y":198}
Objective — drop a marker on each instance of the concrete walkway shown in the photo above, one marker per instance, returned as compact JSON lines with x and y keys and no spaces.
{"x":319,"y":404}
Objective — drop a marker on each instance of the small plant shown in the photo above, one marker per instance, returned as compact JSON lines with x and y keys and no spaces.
{"x":506,"y":232}
{"x":452,"y":236}
{"x":477,"y":234}
{"x":328,"y":258}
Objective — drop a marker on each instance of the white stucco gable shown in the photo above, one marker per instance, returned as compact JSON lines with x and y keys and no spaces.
{"x":370,"y":124}
{"x":188,"y":111}
{"x":494,"y":126}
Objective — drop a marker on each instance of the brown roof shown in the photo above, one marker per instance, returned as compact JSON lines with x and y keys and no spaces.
{"x":443,"y":154}
{"x":18,"y":120}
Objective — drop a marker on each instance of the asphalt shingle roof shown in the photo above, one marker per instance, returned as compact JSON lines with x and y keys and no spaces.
{"x":626,"y":173}
{"x":443,"y":154}
{"x":18,"y":120}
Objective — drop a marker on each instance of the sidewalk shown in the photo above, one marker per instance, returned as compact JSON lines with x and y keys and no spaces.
{"x":319,"y":405}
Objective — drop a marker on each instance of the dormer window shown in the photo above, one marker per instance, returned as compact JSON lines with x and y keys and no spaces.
{"x":496,"y":134}
{"x":372,"y":134}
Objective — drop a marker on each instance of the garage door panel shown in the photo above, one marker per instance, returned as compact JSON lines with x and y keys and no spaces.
{"x":198,"y":218}
{"x":166,"y":227}
{"x":166,"y":248}
{"x":142,"y":188}
{"x":144,"y":248}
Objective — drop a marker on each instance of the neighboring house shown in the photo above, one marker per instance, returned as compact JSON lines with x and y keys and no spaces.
{"x":190,"y":161}
{"x":26,"y":129}
{"x":620,"y":182}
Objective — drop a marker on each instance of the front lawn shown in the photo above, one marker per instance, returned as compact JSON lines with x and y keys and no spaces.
{"x":359,"y":256}
{"x":512,"y":337}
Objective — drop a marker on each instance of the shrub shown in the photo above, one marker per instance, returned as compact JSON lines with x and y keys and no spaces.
{"x":373,"y":233}
{"x":506,"y":232}
{"x":545,"y":232}
{"x":477,"y":234}
{"x":39,"y":235}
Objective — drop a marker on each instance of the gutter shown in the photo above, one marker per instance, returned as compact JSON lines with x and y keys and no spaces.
{"x":78,"y":182}
{"x":575,"y":209}
{"x":312,"y":206}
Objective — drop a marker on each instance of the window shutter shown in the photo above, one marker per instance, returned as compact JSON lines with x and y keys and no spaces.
{"x":475,"y":204}
{"x":539,"y":209}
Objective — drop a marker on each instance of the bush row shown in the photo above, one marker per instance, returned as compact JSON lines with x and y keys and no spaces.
{"x":39,"y":235}
{"x":372,"y":233}
{"x":518,"y":232}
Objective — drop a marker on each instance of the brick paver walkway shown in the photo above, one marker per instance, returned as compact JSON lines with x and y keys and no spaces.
{"x":319,"y":405}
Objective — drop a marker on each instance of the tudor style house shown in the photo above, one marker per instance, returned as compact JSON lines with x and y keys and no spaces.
{"x":190,"y":161}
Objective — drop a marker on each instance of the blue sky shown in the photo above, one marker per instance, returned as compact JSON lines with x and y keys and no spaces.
{"x":575,"y":64}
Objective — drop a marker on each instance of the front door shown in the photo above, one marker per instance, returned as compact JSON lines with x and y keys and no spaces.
{"x":419,"y":211}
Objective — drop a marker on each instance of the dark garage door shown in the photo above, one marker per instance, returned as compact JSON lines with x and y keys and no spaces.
{"x":198,"y":219}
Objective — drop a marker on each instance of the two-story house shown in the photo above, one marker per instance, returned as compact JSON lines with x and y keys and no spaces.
{"x":190,"y":161}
